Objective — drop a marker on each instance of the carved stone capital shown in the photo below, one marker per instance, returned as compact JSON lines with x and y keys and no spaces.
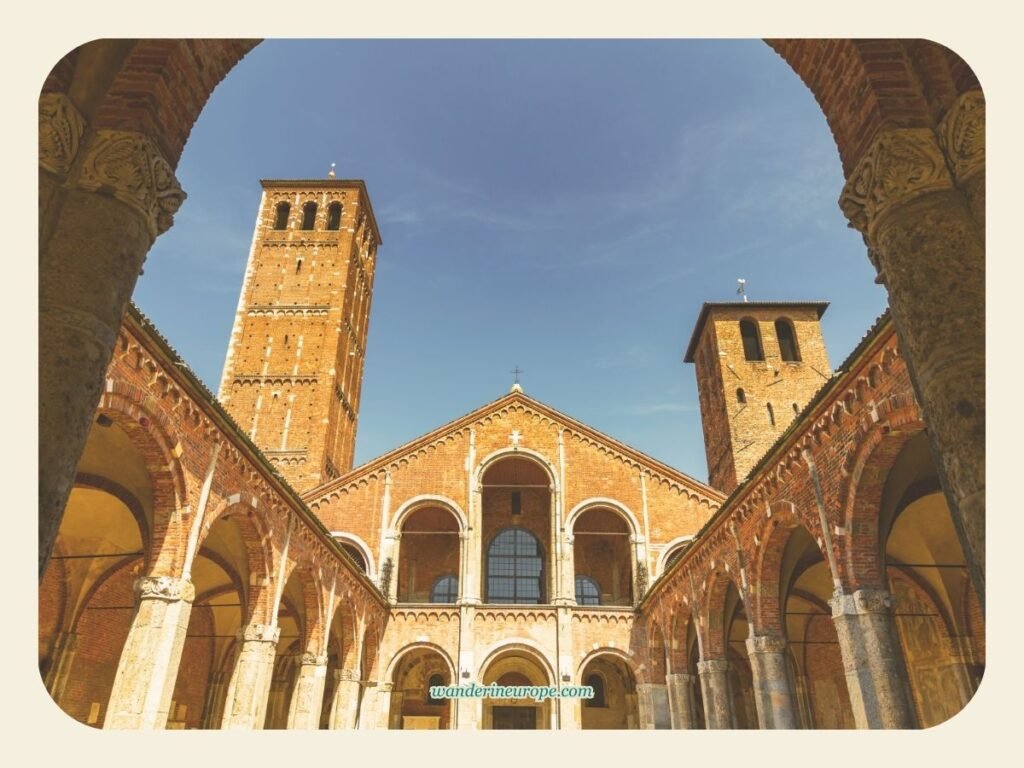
{"x":766,"y":644}
{"x":962,"y":135}
{"x":128,"y":166}
{"x":313,"y":659}
{"x":862,"y":601}
{"x":386,"y":687}
{"x":712,"y":665}
{"x":260,"y":633}
{"x":901,"y":165}
{"x":164,"y":588}
{"x":681,"y":677}
{"x":346,"y":674}
{"x":873,"y":601}
{"x":60,"y":132}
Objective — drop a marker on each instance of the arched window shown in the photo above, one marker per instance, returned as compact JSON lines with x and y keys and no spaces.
{"x":787,"y":340}
{"x":675,"y":554}
{"x":281,"y":215}
{"x":741,"y":396}
{"x":587,"y":591}
{"x":596,"y":682}
{"x":308,"y":215}
{"x":435,"y":681}
{"x":515,"y":568}
{"x":771,"y":414}
{"x":796,"y":410}
{"x":752,"y":349}
{"x":334,"y":216}
{"x":445,"y":589}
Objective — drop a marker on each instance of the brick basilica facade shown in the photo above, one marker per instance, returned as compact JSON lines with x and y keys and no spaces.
{"x":514,"y":545}
{"x":217,"y":562}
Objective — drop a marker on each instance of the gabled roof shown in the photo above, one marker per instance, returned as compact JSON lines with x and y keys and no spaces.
{"x":537,"y":406}
{"x":705,"y":310}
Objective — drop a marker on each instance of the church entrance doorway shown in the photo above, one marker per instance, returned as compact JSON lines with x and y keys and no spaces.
{"x":514,"y":718}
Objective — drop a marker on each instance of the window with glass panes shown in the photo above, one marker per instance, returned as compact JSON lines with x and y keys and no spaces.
{"x":515,"y":568}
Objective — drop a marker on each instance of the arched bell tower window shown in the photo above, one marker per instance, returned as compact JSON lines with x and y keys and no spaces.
{"x":308,"y":215}
{"x":281,"y":215}
{"x":752,"y":349}
{"x":334,"y":216}
{"x":787,"y":340}
{"x":741,"y":396}
{"x":771,"y":414}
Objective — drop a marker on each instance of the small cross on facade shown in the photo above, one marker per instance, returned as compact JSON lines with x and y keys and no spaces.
{"x":515,"y":437}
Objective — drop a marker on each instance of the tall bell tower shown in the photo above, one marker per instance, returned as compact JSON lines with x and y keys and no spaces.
{"x":758,"y":364}
{"x":294,"y":367}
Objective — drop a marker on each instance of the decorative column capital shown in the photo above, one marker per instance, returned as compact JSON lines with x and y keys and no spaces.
{"x":962,"y":135}
{"x":900,"y":165}
{"x":862,"y":601}
{"x":712,"y":665}
{"x":260,"y":633}
{"x":313,"y":659}
{"x":386,"y":687}
{"x":682,"y":677}
{"x":766,"y":644}
{"x":61,"y":126}
{"x":128,"y":166}
{"x":165,"y":588}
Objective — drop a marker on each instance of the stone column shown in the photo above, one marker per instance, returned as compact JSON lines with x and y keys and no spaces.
{"x":568,"y":569}
{"x":308,"y":696}
{"x":148,"y":668}
{"x":213,"y":710}
{"x":652,"y":701}
{"x":63,"y":657}
{"x":920,"y":220}
{"x":680,"y":701}
{"x":714,"y":685}
{"x":876,"y":675}
{"x":773,"y":694}
{"x":104,"y":198}
{"x":346,"y":700}
{"x":249,"y":689}
{"x":376,"y":708}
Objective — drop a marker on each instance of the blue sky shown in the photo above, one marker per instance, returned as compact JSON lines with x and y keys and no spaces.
{"x":561,"y":205}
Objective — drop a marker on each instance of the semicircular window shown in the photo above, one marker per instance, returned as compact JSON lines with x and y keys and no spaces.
{"x":445,"y":590}
{"x":587,"y":591}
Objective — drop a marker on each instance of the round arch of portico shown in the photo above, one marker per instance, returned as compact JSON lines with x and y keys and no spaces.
{"x":153,"y":436}
{"x":514,"y":452}
{"x":616,"y":653}
{"x":715,"y":643}
{"x":358,"y":543}
{"x":605,"y":503}
{"x":259,"y":555}
{"x":765,"y":609}
{"x":405,"y":650}
{"x":426,"y":500}
{"x":860,"y":557}
{"x":525,"y":646}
